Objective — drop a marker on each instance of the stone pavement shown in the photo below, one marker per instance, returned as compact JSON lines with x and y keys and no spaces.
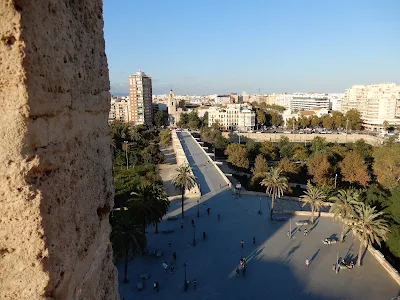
{"x":167,"y":171}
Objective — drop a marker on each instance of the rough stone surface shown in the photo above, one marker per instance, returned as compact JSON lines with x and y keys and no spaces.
{"x":55,"y":162}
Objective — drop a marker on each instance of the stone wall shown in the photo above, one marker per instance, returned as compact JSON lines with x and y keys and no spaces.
{"x":55,"y":162}
{"x":303,"y":138}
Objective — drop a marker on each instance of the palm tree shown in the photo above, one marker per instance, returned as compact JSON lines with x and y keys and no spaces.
{"x":343,"y":207}
{"x":315,"y":197}
{"x":370,"y":226}
{"x":184,"y":180}
{"x":276,"y":185}
{"x":125,"y":236}
{"x":161,"y":201}
{"x":148,"y":205}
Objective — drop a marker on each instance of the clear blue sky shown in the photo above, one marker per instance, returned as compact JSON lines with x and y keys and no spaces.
{"x":223,"y":46}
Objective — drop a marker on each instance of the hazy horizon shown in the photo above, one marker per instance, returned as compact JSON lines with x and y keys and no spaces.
{"x":218,"y":47}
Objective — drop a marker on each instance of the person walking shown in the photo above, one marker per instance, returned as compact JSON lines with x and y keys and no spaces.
{"x":244,"y":270}
{"x":182,"y":226}
{"x":307,"y":262}
{"x":237,"y":271}
{"x":170,"y":243}
{"x":305,"y":232}
{"x":242,"y":244}
{"x":174,"y":255}
{"x":193,"y":222}
{"x":241,"y":261}
{"x":172,"y":268}
{"x":208,"y":211}
{"x":254,"y":240}
{"x":204,"y":235}
{"x":244,"y":261}
{"x":155,"y":286}
{"x":219,"y":217}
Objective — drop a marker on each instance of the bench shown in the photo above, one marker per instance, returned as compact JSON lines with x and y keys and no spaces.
{"x":280,"y":218}
{"x":167,"y":231}
{"x":302,"y":223}
{"x":159,"y":253}
{"x":172,"y":218}
{"x":139,"y":286}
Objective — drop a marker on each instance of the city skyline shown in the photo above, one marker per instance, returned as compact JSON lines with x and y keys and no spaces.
{"x":216,"y":48}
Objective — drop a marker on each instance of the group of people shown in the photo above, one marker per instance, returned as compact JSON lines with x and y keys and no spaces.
{"x":243,"y":262}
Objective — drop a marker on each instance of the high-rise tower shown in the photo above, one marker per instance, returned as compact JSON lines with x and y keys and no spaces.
{"x":140,"y":99}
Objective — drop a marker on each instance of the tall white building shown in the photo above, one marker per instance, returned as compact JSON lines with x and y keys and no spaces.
{"x":308,"y":101}
{"x":140,"y":99}
{"x":232,"y":117}
{"x":376,"y":104}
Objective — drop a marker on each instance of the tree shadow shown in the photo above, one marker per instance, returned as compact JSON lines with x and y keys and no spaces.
{"x":313,"y":226}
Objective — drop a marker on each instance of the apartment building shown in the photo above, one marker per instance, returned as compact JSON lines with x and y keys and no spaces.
{"x":222,"y":99}
{"x":284,"y":100}
{"x":232,"y":117}
{"x":376,"y":104}
{"x":119,"y":110}
{"x":309,"y":101}
{"x":140,"y":99}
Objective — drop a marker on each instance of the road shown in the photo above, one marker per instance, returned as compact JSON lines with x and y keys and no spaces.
{"x":207,"y":176}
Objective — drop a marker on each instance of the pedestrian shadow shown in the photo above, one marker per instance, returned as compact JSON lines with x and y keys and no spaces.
{"x":255,"y":253}
{"x":289,"y":255}
{"x":314,"y":225}
{"x":314,"y":256}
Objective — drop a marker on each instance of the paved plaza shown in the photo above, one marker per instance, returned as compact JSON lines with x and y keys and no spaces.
{"x":276,"y":264}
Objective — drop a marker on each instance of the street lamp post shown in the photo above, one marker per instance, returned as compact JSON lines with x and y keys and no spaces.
{"x":126,"y":153}
{"x":335,"y":180}
{"x":259,"y":211}
{"x":185,"y":285}
{"x":194,"y":235}
{"x":290,"y":228}
{"x":184,"y":266}
{"x":337,"y":261}
{"x":198,"y":210}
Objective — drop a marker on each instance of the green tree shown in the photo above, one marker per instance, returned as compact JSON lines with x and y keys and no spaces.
{"x":126,"y":237}
{"x":285,"y":147}
{"x":354,"y":169}
{"x":148,"y":205}
{"x":315,"y":121}
{"x":275,"y":185}
{"x":160,"y":118}
{"x":260,"y":116}
{"x":194,"y":121}
{"x":237,"y":155}
{"x":338,"y":119}
{"x":386,"y":165}
{"x":363,"y":148}
{"x":204,"y":120}
{"x":300,"y":152}
{"x":260,"y":167}
{"x":183,"y":121}
{"x":393,"y":209}
{"x":304,"y":122}
{"x":287,"y":167}
{"x":165,"y":137}
{"x":320,"y":168}
{"x":385,"y":125}
{"x":219,"y":143}
{"x":292,"y":123}
{"x":370,"y":225}
{"x":276,"y":118}
{"x":315,"y":197}
{"x":343,"y":207}
{"x":252,"y":149}
{"x":267,"y":150}
{"x":327,"y":121}
{"x":353,"y":118}
{"x":184,"y":180}
{"x":318,"y":144}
